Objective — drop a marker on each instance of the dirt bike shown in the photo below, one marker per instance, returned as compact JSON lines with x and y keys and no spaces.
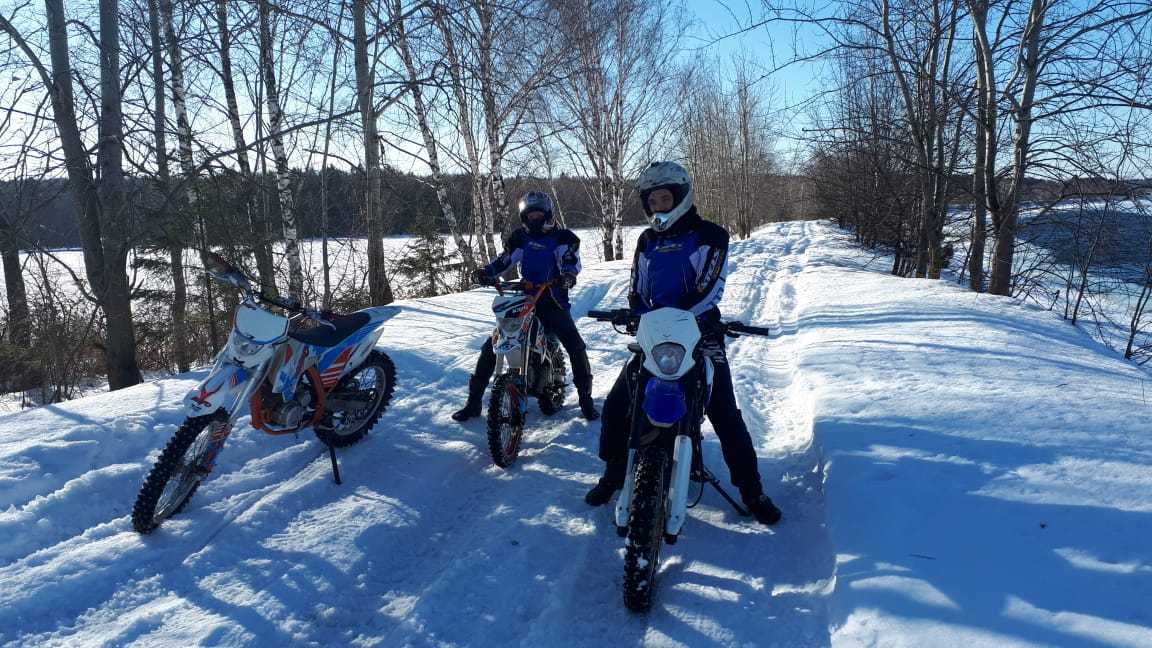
{"x":535,"y":367}
{"x":329,"y":377}
{"x":671,"y":381}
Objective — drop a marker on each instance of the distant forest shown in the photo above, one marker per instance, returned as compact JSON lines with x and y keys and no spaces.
{"x":410,"y":204}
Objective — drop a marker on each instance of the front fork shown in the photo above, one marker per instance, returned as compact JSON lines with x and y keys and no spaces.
{"x":679,"y":480}
{"x":677,"y":494}
{"x":241,"y":384}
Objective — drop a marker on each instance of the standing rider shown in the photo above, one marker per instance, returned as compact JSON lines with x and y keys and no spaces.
{"x":545,"y":253}
{"x":681,"y":261}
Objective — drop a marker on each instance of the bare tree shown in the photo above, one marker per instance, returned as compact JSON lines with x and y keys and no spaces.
{"x":614,"y":93}
{"x":261,"y":246}
{"x":101,"y":209}
{"x":283,"y":174}
{"x":431,"y":145}
{"x":379,"y":288}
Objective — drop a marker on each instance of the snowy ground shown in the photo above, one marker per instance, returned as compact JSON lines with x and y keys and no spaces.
{"x":952,"y":469}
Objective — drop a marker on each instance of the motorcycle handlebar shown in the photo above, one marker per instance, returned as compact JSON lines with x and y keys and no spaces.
{"x":741,"y":328}
{"x":606,"y":316}
{"x":624,"y":317}
{"x":518,"y":286}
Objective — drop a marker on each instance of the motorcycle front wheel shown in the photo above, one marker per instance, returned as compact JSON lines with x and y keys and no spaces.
{"x":182,"y":465}
{"x":645,"y":526}
{"x":505,"y":420}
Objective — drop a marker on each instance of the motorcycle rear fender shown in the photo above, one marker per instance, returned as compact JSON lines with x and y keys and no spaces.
{"x":333,"y":363}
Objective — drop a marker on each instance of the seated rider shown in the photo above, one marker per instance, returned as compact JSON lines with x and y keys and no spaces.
{"x":681,"y":261}
{"x":545,"y":253}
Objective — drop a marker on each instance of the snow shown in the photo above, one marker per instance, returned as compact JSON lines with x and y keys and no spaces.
{"x":348,"y":259}
{"x":953,"y":469}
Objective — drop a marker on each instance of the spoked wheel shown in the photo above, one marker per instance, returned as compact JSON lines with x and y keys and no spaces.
{"x":505,"y":420}
{"x":183,"y":463}
{"x":552,"y":398}
{"x":358,"y":401}
{"x":645,"y":527}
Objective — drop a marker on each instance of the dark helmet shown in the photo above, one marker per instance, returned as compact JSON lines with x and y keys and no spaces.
{"x":536,"y":201}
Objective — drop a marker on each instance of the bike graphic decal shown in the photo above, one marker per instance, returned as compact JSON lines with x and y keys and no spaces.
{"x":331,"y":375}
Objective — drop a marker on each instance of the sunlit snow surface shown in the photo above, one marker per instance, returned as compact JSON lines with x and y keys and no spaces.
{"x":954,"y":470}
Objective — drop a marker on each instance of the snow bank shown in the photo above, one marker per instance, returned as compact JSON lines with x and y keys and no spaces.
{"x":988,"y":465}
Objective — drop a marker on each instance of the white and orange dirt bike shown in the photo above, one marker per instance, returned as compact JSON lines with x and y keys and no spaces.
{"x":529,"y":363}
{"x":329,"y":376}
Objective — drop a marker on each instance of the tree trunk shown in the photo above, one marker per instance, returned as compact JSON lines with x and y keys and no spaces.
{"x":430,"y":144}
{"x":261,"y":244}
{"x":19,"y":325}
{"x":120,"y":345}
{"x":499,"y":214}
{"x":480,"y":204}
{"x":379,"y":290}
{"x":189,"y":210}
{"x":283,"y":174}
{"x":1008,"y":213}
{"x":171,"y":228}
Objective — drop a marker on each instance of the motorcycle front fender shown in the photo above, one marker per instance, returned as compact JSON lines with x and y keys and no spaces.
{"x":224,"y":388}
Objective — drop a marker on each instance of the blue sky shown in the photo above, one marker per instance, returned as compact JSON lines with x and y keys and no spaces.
{"x":720,"y":30}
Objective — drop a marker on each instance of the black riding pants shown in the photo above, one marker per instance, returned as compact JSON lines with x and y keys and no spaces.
{"x":555,"y":320}
{"x":735,"y":442}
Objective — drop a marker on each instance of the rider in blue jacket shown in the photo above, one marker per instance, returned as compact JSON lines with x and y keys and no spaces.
{"x":681,"y":261}
{"x":545,"y":253}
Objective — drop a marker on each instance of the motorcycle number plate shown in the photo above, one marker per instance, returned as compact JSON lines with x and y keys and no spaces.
{"x":259,"y":325}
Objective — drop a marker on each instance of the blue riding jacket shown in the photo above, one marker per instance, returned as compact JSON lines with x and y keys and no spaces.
{"x":684,"y":267}
{"x":542,"y":257}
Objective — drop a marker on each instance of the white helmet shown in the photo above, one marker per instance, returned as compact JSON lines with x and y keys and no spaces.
{"x":670,"y":176}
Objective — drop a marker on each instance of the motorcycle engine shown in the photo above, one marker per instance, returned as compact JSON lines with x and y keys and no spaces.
{"x":290,"y":413}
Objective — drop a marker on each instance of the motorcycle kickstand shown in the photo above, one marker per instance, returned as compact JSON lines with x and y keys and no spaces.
{"x":715,"y":483}
{"x":336,"y":466}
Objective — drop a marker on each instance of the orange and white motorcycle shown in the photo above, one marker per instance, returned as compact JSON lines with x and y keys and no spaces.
{"x":328,"y":376}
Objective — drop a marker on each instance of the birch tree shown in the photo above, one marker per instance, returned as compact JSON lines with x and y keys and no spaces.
{"x":279,"y":153}
{"x":617,"y":94}
{"x":261,"y":246}
{"x":431,"y":145}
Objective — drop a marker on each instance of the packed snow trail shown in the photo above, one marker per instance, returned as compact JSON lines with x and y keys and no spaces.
{"x":954,"y":469}
{"x":426,"y":543}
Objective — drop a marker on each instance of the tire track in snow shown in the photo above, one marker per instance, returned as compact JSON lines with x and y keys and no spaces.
{"x":428,"y":544}
{"x":778,"y":412}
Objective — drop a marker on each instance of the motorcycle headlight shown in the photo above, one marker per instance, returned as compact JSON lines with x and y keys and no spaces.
{"x":244,"y":346}
{"x":668,"y":357}
{"x":510,"y":326}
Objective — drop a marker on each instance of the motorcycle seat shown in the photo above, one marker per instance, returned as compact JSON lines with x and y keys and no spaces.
{"x":327,"y":336}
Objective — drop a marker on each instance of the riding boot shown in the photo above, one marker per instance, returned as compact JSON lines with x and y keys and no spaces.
{"x":587,"y":406}
{"x":473,"y":407}
{"x":609,"y":483}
